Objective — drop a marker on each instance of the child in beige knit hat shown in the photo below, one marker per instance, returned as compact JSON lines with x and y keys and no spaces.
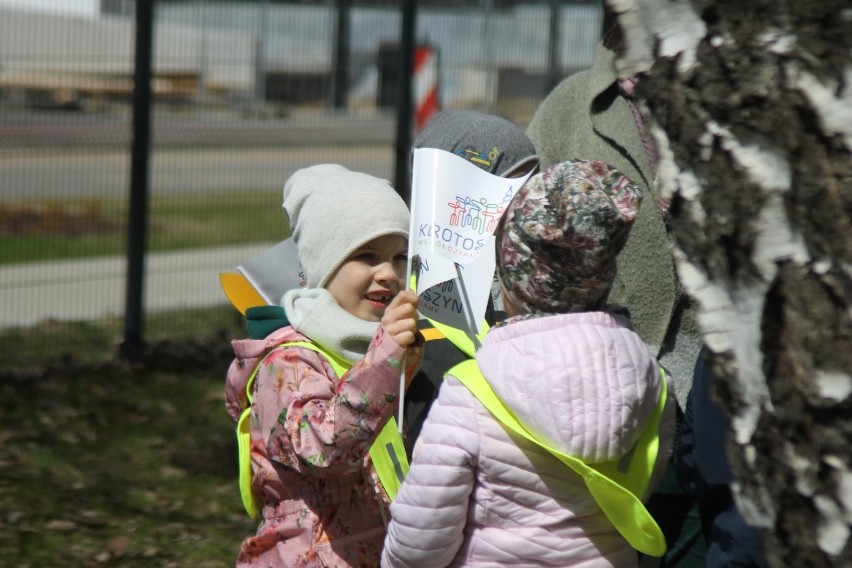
{"x":326,"y":386}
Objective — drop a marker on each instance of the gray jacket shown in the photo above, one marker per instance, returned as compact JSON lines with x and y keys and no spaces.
{"x":585,"y":117}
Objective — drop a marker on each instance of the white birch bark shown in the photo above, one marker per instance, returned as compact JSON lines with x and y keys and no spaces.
{"x":750,"y":104}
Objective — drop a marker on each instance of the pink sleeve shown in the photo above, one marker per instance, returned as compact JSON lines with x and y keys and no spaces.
{"x":316,"y":423}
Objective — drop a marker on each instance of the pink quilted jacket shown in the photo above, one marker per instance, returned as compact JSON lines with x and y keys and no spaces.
{"x":476,"y":496}
{"x":310,"y":436}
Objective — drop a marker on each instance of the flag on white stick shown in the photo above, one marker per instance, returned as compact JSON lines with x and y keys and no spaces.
{"x":455,"y":209}
{"x":442,"y":298}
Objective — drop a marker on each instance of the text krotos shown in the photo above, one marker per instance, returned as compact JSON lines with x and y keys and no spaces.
{"x":449,"y":239}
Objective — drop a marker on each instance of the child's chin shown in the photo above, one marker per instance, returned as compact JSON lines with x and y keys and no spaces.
{"x":372,"y":316}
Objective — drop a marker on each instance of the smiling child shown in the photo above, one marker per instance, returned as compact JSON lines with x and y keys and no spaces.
{"x":325,"y":385}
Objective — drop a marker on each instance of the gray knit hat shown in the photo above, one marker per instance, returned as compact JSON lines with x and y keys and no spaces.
{"x":490,"y":142}
{"x":332,"y":211}
{"x":557,"y":241}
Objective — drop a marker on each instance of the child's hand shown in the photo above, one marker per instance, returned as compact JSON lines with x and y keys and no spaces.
{"x":400,"y":318}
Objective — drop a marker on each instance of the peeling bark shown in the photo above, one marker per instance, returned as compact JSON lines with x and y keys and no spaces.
{"x":750,"y":103}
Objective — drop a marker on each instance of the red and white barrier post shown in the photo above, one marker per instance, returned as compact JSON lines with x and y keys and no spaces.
{"x":425,"y":85}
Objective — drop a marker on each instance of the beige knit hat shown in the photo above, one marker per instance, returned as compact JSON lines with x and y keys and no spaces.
{"x":332,"y":211}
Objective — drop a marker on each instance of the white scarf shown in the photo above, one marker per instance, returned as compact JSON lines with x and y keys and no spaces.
{"x":315,"y":313}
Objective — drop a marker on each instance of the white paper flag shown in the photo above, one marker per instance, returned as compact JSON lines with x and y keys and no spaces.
{"x":456,"y":207}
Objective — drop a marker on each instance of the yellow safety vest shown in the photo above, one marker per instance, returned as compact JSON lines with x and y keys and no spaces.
{"x":387,"y":452}
{"x":456,"y":336}
{"x":616,"y":486}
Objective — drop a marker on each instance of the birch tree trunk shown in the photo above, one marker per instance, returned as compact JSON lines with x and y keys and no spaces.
{"x":750,"y":103}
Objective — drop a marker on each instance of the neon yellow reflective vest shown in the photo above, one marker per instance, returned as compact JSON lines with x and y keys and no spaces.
{"x":387,"y":452}
{"x":458,"y":337}
{"x":616,"y":486}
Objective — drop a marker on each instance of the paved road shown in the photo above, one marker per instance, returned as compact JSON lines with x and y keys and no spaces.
{"x":82,"y":155}
{"x":89,"y":290}
{"x":51,"y":156}
{"x":21,"y":129}
{"x":55,"y":173}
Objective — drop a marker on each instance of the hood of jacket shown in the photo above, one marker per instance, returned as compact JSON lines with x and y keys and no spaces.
{"x":583,"y":382}
{"x":247,"y":354}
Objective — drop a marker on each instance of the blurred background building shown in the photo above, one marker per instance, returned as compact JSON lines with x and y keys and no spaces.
{"x":495,"y":55}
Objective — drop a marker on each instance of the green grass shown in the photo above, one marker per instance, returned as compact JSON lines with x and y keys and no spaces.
{"x":103,"y":463}
{"x":50,"y":230}
{"x":108,"y":463}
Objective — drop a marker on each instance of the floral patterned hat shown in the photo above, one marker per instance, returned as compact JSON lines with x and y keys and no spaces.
{"x":557,"y":242}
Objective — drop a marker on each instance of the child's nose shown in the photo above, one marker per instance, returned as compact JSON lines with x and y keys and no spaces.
{"x":385,"y":272}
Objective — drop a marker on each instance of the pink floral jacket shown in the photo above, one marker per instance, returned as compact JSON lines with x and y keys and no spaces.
{"x":310,"y":437}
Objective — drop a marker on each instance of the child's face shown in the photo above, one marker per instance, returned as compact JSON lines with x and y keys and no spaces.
{"x":368,"y":280}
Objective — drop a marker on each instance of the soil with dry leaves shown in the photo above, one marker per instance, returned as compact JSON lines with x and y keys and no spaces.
{"x":113,"y":464}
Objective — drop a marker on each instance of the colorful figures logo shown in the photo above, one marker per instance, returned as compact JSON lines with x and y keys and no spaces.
{"x":478,"y":158}
{"x":477,"y":214}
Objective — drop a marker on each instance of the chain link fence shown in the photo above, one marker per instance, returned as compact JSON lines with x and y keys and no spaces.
{"x":243,"y":94}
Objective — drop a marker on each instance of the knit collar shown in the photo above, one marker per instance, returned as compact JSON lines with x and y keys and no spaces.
{"x":316,"y":314}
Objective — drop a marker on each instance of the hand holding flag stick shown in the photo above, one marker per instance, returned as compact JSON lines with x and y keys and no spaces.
{"x":411,"y":281}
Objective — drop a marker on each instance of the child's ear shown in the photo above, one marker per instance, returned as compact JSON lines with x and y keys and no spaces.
{"x":509,"y":305}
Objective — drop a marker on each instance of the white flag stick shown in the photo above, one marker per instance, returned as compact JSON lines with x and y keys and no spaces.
{"x":405,"y":352}
{"x":408,"y":268}
{"x":472,"y":325}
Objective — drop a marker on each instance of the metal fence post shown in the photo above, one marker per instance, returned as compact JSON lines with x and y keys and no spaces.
{"x":340,"y":73}
{"x":403,"y":102}
{"x":137,"y":221}
{"x":260,"y":55}
{"x":553,"y":71}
